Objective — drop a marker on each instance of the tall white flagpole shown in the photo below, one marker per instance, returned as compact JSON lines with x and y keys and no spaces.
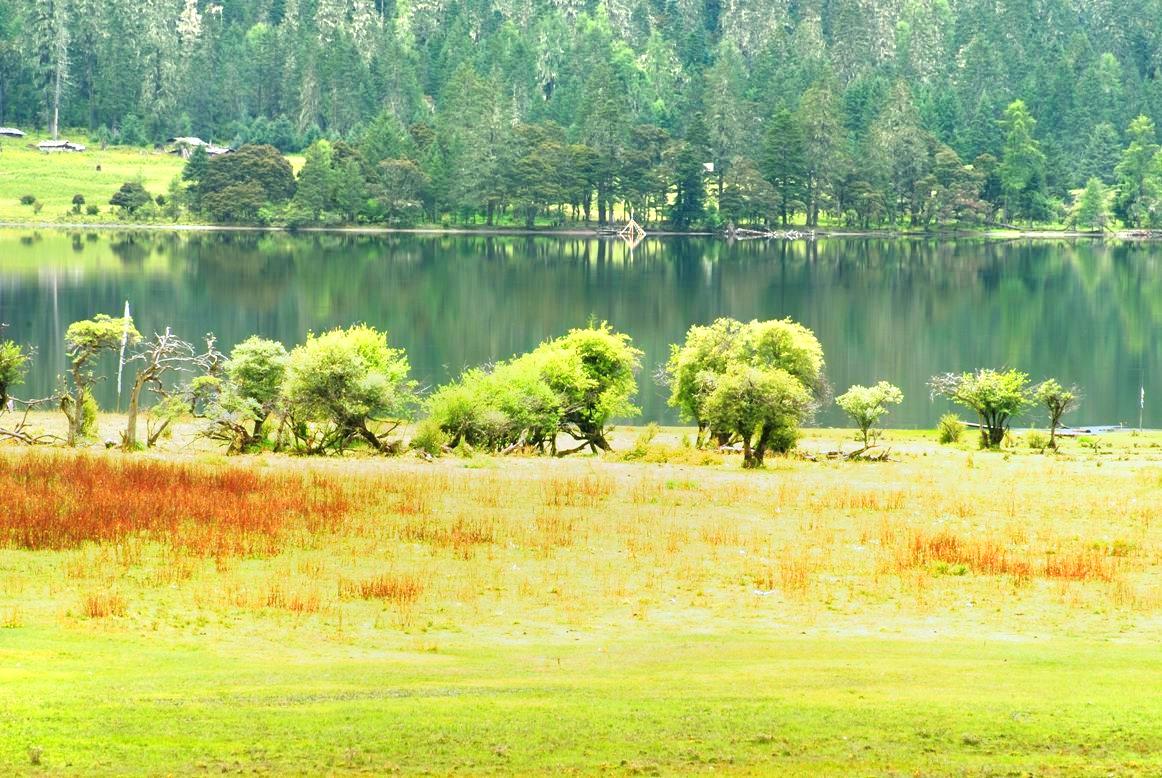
{"x":124,"y":341}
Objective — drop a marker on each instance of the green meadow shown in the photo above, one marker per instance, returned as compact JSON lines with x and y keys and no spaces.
{"x":656,"y":611}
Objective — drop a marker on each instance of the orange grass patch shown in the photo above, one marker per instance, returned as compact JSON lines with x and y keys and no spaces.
{"x":60,"y":501}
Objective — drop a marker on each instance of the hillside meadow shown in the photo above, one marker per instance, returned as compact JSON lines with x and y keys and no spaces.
{"x":95,"y":174}
{"x":656,"y":610}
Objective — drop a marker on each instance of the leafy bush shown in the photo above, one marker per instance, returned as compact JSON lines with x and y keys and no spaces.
{"x":255,"y":373}
{"x":130,"y":197}
{"x":343,"y":386}
{"x":92,"y":209}
{"x":87,"y":429}
{"x":575,"y":384}
{"x":867,"y":404}
{"x":27,"y":199}
{"x":1058,"y":401}
{"x":995,"y":396}
{"x":757,"y":405}
{"x":429,"y":438}
{"x":950,"y":428}
{"x":1036,"y":439}
{"x":13,"y":368}
{"x":759,"y":357}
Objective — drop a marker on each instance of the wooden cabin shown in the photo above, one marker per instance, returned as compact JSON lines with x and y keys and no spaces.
{"x":52,"y":146}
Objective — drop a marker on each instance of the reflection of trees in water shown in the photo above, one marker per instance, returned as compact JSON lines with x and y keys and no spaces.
{"x":897,"y":309}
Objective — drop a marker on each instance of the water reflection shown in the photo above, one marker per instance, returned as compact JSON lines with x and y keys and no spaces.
{"x":896,"y":309}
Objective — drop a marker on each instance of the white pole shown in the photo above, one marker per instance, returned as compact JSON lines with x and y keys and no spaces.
{"x":127,"y":318}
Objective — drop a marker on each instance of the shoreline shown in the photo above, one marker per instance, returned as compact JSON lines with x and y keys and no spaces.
{"x":588,"y":232}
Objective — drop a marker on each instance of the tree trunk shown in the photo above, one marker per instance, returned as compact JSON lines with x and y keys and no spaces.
{"x":131,"y":413}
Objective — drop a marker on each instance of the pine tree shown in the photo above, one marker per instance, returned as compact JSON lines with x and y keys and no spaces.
{"x":784,"y":162}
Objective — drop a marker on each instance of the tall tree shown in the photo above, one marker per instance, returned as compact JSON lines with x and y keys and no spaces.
{"x":784,"y":162}
{"x":1022,"y":169}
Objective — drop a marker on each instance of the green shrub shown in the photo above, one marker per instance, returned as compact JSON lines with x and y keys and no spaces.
{"x":1036,"y":439}
{"x":92,"y":209}
{"x":574,"y":384}
{"x":27,"y":199}
{"x":950,"y":428}
{"x":89,"y":411}
{"x":346,"y":385}
{"x":429,"y":438}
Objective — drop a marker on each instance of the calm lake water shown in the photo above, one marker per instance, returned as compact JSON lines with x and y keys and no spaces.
{"x":901,"y":310}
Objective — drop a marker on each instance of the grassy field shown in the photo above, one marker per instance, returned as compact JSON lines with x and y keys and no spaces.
{"x":951,"y":612}
{"x":53,"y":179}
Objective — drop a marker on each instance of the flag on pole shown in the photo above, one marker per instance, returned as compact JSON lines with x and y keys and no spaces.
{"x":127,"y":318}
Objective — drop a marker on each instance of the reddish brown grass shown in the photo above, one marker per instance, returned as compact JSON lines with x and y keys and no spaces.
{"x":60,"y":501}
{"x":989,"y":556}
{"x":99,"y":605}
{"x":399,"y":590}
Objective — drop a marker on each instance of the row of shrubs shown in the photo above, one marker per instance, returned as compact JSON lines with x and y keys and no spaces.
{"x":749,"y":385}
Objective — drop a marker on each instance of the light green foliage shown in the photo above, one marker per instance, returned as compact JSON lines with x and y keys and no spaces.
{"x":13,"y":368}
{"x":1092,"y":206}
{"x":950,"y":428}
{"x":85,"y":341}
{"x":255,"y":374}
{"x":1022,"y":169}
{"x":866,"y":405}
{"x":1058,"y":401}
{"x":995,"y":396}
{"x":693,"y":366}
{"x":429,"y":438}
{"x":1139,"y":175}
{"x":89,"y":412}
{"x":754,"y":403}
{"x":341,"y":385}
{"x":256,"y":371}
{"x":696,"y":368}
{"x":575,"y":384}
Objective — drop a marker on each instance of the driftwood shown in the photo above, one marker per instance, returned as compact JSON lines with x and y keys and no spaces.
{"x":20,"y":432}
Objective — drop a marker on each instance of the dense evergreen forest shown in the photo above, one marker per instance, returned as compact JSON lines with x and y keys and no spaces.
{"x":851,"y":112}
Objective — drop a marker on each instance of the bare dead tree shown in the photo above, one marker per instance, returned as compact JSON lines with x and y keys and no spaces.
{"x":160,"y":355}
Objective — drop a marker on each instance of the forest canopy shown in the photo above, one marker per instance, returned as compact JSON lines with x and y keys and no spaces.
{"x":691,"y":113}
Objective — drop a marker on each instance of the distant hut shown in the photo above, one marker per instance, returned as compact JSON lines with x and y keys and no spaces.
{"x":53,"y":146}
{"x":184,"y":147}
{"x":11,"y":132}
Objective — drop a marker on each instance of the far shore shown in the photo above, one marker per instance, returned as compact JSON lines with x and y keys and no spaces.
{"x":588,"y":232}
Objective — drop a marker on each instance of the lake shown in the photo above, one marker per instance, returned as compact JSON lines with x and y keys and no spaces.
{"x":896,"y":309}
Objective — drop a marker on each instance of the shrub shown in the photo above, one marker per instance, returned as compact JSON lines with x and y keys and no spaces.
{"x":78,"y":201}
{"x":950,"y":428}
{"x":575,"y":384}
{"x":37,"y":207}
{"x":867,"y":404}
{"x":757,"y":405}
{"x":995,"y":396}
{"x":92,"y":209}
{"x":342,"y":383}
{"x":1058,"y":401}
{"x":1036,"y":439}
{"x":723,"y":348}
{"x":429,"y":438}
{"x":255,"y":374}
{"x":89,"y":411}
{"x":130,"y":197}
{"x":13,"y":368}
{"x":27,"y":199}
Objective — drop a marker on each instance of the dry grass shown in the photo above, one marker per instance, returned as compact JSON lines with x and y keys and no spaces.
{"x":61,"y":502}
{"x":100,"y":605}
{"x":581,"y":542}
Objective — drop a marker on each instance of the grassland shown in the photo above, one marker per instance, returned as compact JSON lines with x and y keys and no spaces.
{"x":95,"y":174}
{"x":950,"y":612}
